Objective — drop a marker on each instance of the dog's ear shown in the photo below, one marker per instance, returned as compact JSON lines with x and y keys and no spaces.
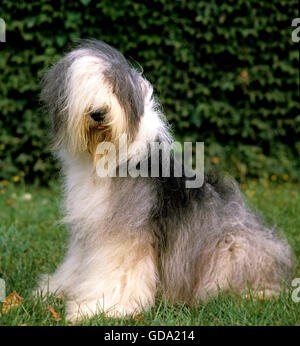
{"x":128,"y":88}
{"x":53,"y":97}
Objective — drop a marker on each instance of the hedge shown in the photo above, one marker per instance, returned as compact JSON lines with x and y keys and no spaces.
{"x":226,"y":73}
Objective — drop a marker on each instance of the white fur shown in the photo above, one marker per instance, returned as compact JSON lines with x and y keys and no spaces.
{"x":101,"y":273}
{"x":85,"y":74}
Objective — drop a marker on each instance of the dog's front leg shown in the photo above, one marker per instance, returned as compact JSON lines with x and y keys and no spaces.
{"x":117,"y":277}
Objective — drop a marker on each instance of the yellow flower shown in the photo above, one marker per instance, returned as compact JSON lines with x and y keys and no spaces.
{"x":16,"y":178}
{"x":215,"y":160}
{"x":4,"y":183}
{"x":285,"y":177}
{"x":254,"y":182}
{"x":244,"y":186}
{"x":273,"y":177}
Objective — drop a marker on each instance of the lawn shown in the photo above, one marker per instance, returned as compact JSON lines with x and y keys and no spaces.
{"x":32,"y":241}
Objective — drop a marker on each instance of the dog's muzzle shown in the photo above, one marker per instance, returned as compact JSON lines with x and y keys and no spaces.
{"x":98,"y":118}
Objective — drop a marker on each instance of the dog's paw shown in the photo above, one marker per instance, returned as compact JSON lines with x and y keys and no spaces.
{"x":47,"y":287}
{"x":76,"y":312}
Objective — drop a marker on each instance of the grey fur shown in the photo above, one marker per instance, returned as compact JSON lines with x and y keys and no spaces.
{"x":201,"y":235}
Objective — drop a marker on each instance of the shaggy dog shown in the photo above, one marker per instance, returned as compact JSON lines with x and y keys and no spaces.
{"x":134,"y":237}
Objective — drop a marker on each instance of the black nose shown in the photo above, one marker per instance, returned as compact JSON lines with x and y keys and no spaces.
{"x":98,"y":116}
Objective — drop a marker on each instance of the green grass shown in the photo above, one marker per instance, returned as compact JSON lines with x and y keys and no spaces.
{"x":32,"y":241}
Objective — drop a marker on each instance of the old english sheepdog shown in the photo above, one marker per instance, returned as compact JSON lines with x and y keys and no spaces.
{"x":132,"y":238}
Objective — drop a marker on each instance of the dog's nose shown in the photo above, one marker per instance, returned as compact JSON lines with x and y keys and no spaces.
{"x":98,"y":116}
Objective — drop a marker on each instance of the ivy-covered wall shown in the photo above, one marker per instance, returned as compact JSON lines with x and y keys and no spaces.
{"x":226,"y":73}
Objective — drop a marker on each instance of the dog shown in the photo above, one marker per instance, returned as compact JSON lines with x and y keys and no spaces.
{"x":132,"y":238}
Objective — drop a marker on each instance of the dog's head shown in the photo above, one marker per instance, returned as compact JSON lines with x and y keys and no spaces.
{"x":93,"y":95}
